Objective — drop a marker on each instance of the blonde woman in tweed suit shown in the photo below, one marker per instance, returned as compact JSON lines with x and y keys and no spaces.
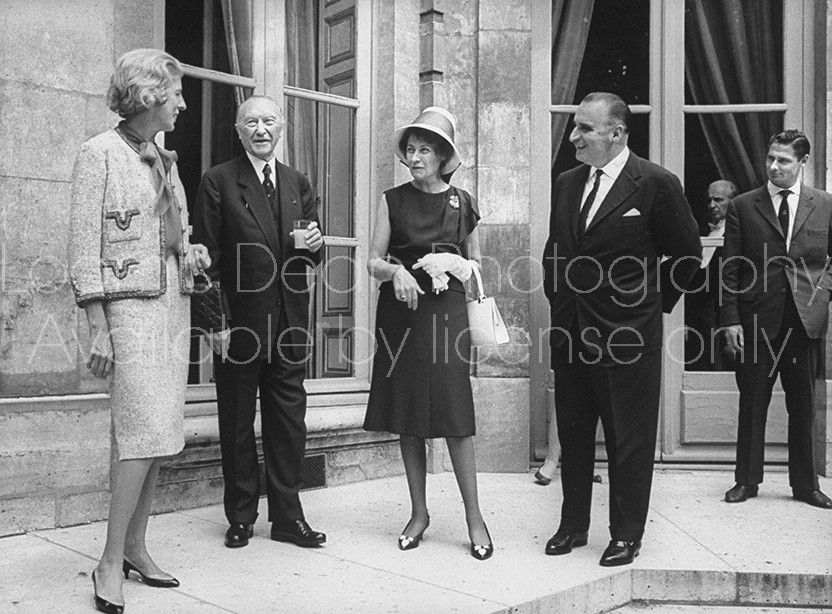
{"x":131,"y":268}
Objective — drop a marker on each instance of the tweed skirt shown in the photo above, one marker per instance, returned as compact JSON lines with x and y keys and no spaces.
{"x":151,"y":347}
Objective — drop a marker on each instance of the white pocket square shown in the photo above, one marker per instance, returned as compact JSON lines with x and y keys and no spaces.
{"x":632,"y":213}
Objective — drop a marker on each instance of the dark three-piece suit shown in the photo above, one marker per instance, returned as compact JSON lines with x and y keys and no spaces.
{"x":265,"y":281}
{"x":607,"y":292}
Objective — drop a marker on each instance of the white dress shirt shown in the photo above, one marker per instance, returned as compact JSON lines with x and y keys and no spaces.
{"x":259,"y":165}
{"x":708,"y":252}
{"x":793,"y":198}
{"x":609,"y":174}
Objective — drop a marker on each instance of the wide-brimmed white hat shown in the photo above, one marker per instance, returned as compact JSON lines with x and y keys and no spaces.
{"x":436,"y":120}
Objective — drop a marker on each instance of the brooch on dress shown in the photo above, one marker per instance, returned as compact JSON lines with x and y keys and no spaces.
{"x":454,"y":201}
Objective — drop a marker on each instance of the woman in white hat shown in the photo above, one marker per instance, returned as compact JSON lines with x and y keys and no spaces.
{"x":424,"y":245}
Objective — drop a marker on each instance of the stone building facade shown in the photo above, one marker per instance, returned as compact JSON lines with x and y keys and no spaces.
{"x":488,"y":61}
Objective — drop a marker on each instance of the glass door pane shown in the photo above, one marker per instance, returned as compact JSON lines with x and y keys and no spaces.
{"x":611,"y":55}
{"x":733,"y":58}
{"x":320,"y":142}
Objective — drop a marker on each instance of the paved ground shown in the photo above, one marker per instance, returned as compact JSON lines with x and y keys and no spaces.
{"x":770,"y":551}
{"x":665,"y":608}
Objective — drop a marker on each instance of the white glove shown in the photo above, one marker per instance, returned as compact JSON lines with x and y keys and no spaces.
{"x":438,"y":264}
{"x":440,"y":283}
{"x":219,"y":342}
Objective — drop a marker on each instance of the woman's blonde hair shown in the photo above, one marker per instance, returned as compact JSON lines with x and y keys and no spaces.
{"x":140,"y":80}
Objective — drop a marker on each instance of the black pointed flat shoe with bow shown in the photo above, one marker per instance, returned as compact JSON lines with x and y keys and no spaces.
{"x":483,"y":553}
{"x":409,"y":543}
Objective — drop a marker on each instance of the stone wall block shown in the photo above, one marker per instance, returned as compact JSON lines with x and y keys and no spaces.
{"x":504,"y":135}
{"x":52,"y":449}
{"x":506,"y":275}
{"x":784,"y":589}
{"x":460,"y":58}
{"x":57,"y":44}
{"x":466,"y":178}
{"x":41,"y":356}
{"x":506,"y":15}
{"x":687,"y":586}
{"x":502,"y":409}
{"x":39,"y":472}
{"x":460,"y":16}
{"x":82,"y":507}
{"x":34,"y":224}
{"x":134,"y":26}
{"x":461,"y":94}
{"x":198,"y":491}
{"x":29,"y":513}
{"x":505,"y":68}
{"x":363,"y":463}
{"x":38,"y":311}
{"x":509,"y":360}
{"x":40,"y":131}
{"x":504,"y":194}
{"x":605,"y":594}
{"x":98,"y":116}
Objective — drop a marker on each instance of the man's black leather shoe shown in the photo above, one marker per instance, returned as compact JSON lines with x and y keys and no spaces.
{"x":299,"y":533}
{"x":620,"y":553}
{"x":741,"y":492}
{"x":813,"y":497}
{"x":563,"y":541}
{"x":238,"y":535}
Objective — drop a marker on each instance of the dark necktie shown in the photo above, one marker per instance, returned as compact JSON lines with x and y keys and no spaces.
{"x":590,"y":198}
{"x":267,"y":184}
{"x":783,"y":213}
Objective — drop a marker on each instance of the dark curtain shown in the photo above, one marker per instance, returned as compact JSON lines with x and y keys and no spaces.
{"x":236,"y":18}
{"x":570,"y":27}
{"x":734,"y":54}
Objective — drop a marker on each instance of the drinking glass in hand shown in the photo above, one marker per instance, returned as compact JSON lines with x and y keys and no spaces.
{"x":299,"y":233}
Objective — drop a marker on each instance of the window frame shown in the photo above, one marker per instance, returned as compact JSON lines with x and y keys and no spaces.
{"x":268,"y":44}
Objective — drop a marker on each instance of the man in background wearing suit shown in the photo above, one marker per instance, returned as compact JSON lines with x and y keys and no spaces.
{"x":777,"y":279}
{"x":244,"y":215}
{"x":613,"y":220}
{"x":705,"y":347}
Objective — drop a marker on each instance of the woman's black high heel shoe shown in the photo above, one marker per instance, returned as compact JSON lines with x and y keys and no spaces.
{"x":409,"y":543}
{"x":101,"y":604}
{"x":482,"y":553}
{"x":127,"y":567}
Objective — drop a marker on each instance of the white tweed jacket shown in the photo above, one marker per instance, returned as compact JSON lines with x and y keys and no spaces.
{"x":116,"y":242}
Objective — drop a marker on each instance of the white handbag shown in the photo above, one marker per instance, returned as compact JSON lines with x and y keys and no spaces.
{"x":484,"y":319}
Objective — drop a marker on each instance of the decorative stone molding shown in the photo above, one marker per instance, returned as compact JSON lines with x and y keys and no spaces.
{"x":431,"y":54}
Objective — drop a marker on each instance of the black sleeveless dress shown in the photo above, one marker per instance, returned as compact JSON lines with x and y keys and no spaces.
{"x":421,"y":384}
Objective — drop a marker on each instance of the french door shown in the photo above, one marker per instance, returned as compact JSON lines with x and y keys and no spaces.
{"x":709,"y":82}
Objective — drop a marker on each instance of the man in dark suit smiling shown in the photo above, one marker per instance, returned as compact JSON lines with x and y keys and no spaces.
{"x":244,"y":215}
{"x":613,"y":220}
{"x":777,"y":279}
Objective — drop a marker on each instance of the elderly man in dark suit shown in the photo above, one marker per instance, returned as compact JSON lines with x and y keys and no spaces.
{"x":777,"y":279}
{"x":614,"y":219}
{"x":706,"y":348}
{"x":244,"y":215}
